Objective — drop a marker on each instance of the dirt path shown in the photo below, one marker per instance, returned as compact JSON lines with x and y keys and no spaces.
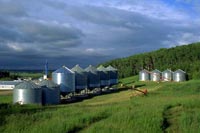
{"x":2,"y":92}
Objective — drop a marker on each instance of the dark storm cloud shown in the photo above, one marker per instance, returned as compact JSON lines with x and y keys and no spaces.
{"x":87,"y":31}
{"x":8,"y":8}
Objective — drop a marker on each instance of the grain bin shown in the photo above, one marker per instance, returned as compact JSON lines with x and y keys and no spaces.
{"x":50,"y":92}
{"x":167,"y":75}
{"x":113,"y":75}
{"x":155,"y":75}
{"x":144,"y":75}
{"x":179,"y":75}
{"x":80,"y":78}
{"x":27,"y":92}
{"x":104,"y":76}
{"x":65,"y":78}
{"x":93,"y":77}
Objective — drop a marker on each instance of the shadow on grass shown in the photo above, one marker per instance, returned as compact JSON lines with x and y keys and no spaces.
{"x":7,"y":109}
{"x":80,"y":98}
{"x":170,"y":117}
{"x":88,"y":123}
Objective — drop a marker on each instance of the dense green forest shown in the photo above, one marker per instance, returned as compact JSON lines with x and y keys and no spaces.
{"x":186,"y":57}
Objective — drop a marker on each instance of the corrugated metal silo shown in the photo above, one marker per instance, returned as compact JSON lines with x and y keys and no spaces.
{"x":104,"y":76}
{"x":155,"y":75}
{"x":93,"y":77}
{"x":80,"y":78}
{"x":50,"y":92}
{"x":113,"y":75}
{"x":65,"y":78}
{"x":179,"y":75}
{"x":27,"y":93}
{"x":144,"y":75}
{"x":167,"y":75}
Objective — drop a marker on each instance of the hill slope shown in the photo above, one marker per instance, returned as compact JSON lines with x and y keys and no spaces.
{"x":186,"y":57}
{"x":168,"y":107}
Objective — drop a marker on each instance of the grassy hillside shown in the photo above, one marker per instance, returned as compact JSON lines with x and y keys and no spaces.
{"x":185,"y":57}
{"x":167,"y":107}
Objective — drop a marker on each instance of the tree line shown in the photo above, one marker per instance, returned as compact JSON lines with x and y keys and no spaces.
{"x":186,"y":57}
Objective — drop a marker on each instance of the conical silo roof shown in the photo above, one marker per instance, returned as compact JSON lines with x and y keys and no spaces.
{"x":27,"y":85}
{"x":102,"y":68}
{"x":77,"y":69}
{"x":156,"y":71}
{"x":167,"y":70}
{"x":63,"y":69}
{"x":91,"y":69}
{"x":48,"y":83}
{"x":110,"y":68}
{"x":144,"y":71}
{"x":179,"y":71}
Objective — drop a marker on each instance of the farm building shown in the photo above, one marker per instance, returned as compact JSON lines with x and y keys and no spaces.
{"x":8,"y":85}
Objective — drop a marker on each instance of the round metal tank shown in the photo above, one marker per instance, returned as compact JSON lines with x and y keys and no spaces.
{"x":104,"y":76}
{"x":179,"y":75}
{"x":144,"y":75}
{"x":50,"y":92}
{"x":93,"y":77}
{"x":80,"y":78}
{"x":155,"y":75}
{"x":167,"y":75}
{"x":113,"y":74}
{"x":65,"y":78}
{"x":27,"y":93}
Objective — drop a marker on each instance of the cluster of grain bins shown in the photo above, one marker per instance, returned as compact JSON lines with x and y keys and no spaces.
{"x":28,"y":92}
{"x":78,"y":79}
{"x":64,"y":81}
{"x":167,"y":75}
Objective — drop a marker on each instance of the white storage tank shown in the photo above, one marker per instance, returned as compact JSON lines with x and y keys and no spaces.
{"x":155,"y":75}
{"x":144,"y":75}
{"x":65,"y":78}
{"x":113,"y":75}
{"x":104,"y":76}
{"x":93,"y":77}
{"x":80,"y":78}
{"x":179,"y":76}
{"x":167,"y":75}
{"x":27,"y":92}
{"x":50,"y":92}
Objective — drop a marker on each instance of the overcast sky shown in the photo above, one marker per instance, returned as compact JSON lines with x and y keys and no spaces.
{"x":69,"y":32}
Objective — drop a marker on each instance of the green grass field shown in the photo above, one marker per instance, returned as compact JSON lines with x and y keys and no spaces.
{"x":168,"y":107}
